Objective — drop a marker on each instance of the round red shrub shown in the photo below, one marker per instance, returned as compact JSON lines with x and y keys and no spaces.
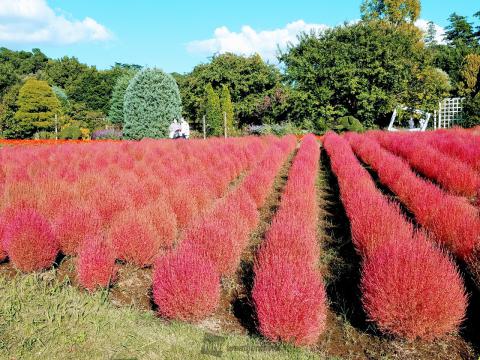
{"x":183,"y":205}
{"x":133,"y":239}
{"x":413,"y":290}
{"x":186,"y":286}
{"x":160,"y":215}
{"x":29,"y":241}
{"x":73,"y":224}
{"x":95,"y":264}
{"x":290,"y":302}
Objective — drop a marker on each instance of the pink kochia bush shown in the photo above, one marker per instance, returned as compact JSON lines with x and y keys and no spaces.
{"x":410,"y":288}
{"x":95,"y":264}
{"x":29,"y":240}
{"x":288,"y":291}
{"x":185,"y":286}
{"x":458,"y":231}
{"x":186,"y":283}
{"x":453,"y":175}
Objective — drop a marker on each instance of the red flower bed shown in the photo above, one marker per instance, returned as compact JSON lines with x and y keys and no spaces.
{"x":218,"y":237}
{"x":288,"y":290}
{"x":405,"y":279}
{"x":453,"y":175}
{"x":452,"y":221}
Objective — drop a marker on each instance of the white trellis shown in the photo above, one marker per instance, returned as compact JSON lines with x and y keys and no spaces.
{"x":449,"y":113}
{"x":422,"y":123}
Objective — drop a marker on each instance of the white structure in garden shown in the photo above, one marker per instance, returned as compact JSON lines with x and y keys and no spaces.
{"x":449,"y":114}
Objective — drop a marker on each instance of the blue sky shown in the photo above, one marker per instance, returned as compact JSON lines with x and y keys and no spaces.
{"x":176,"y":35}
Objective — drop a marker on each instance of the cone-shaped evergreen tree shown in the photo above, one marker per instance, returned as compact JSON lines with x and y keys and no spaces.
{"x":152,"y":102}
{"x":227,"y":108}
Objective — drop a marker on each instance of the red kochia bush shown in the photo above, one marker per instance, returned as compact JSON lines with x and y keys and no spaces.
{"x":413,"y":290}
{"x":404,"y":278}
{"x":134,"y":239}
{"x":185,"y":286}
{"x":95,"y":264}
{"x":288,"y":291}
{"x":290,"y":302}
{"x":73,"y":224}
{"x":29,"y":241}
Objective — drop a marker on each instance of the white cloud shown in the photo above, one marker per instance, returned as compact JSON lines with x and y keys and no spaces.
{"x":422,"y":24}
{"x":33,"y":21}
{"x":248,"y":41}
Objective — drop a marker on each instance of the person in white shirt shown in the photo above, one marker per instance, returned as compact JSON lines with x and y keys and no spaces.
{"x":173,"y":128}
{"x":184,"y":128}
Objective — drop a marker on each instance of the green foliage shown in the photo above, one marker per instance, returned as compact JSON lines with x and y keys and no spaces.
{"x":227,"y":108}
{"x":348,"y":123}
{"x":363,"y":70}
{"x":213,"y":112}
{"x":37,"y":106}
{"x":92,"y":87}
{"x":394,"y":11}
{"x":24,"y":62}
{"x":63,"y":72}
{"x":115,"y":114}
{"x":71,"y":131}
{"x":152,"y":102}
{"x":460,"y":30}
{"x":7,"y":77}
{"x":249,"y":80}
{"x":472,"y":111}
{"x":471,"y":73}
{"x":9,"y":127}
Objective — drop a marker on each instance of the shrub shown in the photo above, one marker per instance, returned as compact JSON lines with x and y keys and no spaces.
{"x":29,"y":241}
{"x":163,"y":221}
{"x":133,"y":239}
{"x":70,"y":131}
{"x":72,"y":225}
{"x":290,"y":303}
{"x":348,"y":123}
{"x":412,"y":290}
{"x":95,"y":264}
{"x":185,"y":286}
{"x":152,"y":101}
{"x":107,"y":134}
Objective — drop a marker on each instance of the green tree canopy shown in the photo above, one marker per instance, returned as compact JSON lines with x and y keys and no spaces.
{"x":9,"y":127}
{"x":460,"y":31}
{"x":8,"y":77}
{"x":394,"y":11}
{"x":115,"y":114}
{"x":213,"y":112}
{"x":227,"y":108}
{"x":152,"y":102}
{"x":37,"y":105}
{"x":249,"y":80}
{"x":363,"y":70}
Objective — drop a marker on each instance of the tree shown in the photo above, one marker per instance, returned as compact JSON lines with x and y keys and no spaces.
{"x":7,"y":77}
{"x":152,"y":101}
{"x":9,"y":127}
{"x":394,"y":11}
{"x":93,"y":87}
{"x":37,"y":106}
{"x":63,"y":72}
{"x":115,"y":114}
{"x":213,"y":112}
{"x":471,"y":73}
{"x":24,"y":62}
{"x":249,"y":80}
{"x":227,"y":108}
{"x":460,"y":31}
{"x":431,"y":35}
{"x":363,"y":70}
